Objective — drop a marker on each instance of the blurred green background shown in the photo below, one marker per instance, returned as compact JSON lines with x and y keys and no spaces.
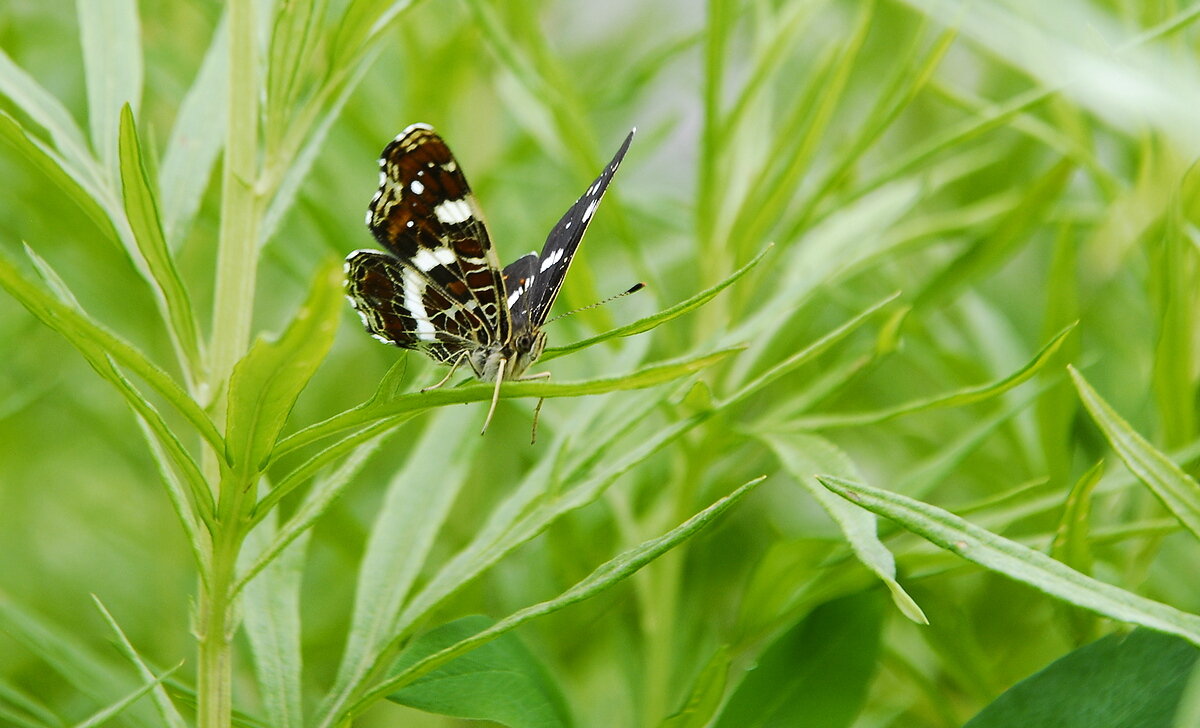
{"x":1009,"y":167}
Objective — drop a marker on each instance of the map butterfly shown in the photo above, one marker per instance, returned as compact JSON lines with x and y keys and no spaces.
{"x":439,"y":287}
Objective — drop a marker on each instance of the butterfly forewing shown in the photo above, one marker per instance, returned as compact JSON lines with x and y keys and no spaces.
{"x":545,"y":280}
{"x":425,"y":214}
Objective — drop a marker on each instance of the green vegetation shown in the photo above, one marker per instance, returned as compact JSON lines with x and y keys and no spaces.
{"x":907,"y":416}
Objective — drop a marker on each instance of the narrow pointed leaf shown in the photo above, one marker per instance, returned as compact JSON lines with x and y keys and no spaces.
{"x":1178,"y":491}
{"x":408,"y":520}
{"x":141,"y":207}
{"x":959,"y":398}
{"x":267,"y":381}
{"x":806,"y":455}
{"x":195,"y":141}
{"x":166,"y":709}
{"x":1018,"y":562}
{"x":658,"y":319}
{"x":272,"y":625}
{"x":78,"y":188}
{"x":112,"y":63}
{"x":400,"y":405}
{"x":603,"y":577}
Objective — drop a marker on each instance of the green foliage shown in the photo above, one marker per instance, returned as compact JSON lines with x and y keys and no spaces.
{"x":1119,"y":680}
{"x":898,"y":265}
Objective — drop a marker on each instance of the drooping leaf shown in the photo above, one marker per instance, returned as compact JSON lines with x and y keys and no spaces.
{"x":1016,"y":561}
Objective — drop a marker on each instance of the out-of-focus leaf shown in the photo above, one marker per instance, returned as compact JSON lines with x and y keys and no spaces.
{"x":1116,"y":682}
{"x":1016,"y":561}
{"x":112,"y":62}
{"x":1178,"y":491}
{"x":499,"y":681}
{"x":816,"y":674}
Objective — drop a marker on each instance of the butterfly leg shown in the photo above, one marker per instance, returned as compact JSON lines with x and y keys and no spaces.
{"x":536,"y":410}
{"x":495,"y":395}
{"x":453,"y":366}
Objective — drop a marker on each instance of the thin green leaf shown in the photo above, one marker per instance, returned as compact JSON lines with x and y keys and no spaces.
{"x":705,"y":696}
{"x":90,"y":338}
{"x":293,"y":38}
{"x":299,"y":161}
{"x":166,"y":709}
{"x":658,"y":319}
{"x":49,"y":113}
{"x":33,"y":715}
{"x":316,"y":502}
{"x":61,"y":650}
{"x":1057,"y":408}
{"x":1178,"y":491}
{"x":100,"y":349}
{"x":501,"y":681}
{"x":195,"y":140}
{"x":266,"y":382}
{"x":1071,"y":537}
{"x":805,"y":455}
{"x":112,"y":62}
{"x":272,"y":624}
{"x":959,"y":398}
{"x":604,"y":577}
{"x":1017,"y":562}
{"x":406,"y":524}
{"x":142,"y":210}
{"x":80,"y":189}
{"x":178,"y":493}
{"x":519,"y":519}
{"x":1174,"y":274}
{"x":1015,"y":231}
{"x":403,"y":404}
{"x":809,"y":352}
{"x":116,"y":708}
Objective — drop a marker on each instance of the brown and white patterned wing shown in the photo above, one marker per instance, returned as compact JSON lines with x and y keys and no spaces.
{"x":425,"y":215}
{"x":398,"y":307}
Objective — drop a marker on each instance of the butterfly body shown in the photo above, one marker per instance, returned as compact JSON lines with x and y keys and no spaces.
{"x":439,"y":287}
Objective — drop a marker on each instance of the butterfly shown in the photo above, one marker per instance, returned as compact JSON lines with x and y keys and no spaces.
{"x":438,"y":286}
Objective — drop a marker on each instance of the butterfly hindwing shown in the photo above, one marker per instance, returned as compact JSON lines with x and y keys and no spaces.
{"x":399,"y":307}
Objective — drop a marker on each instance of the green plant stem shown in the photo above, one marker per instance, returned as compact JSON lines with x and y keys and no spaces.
{"x":214,"y":693}
{"x":233,"y":307}
{"x":237,"y":248}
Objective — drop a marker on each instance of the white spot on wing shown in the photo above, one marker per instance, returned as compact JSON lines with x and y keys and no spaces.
{"x":427,"y":260}
{"x":451,"y":212}
{"x":417,"y":187}
{"x":414,"y":287}
{"x":591,"y":208}
{"x":551,"y":260}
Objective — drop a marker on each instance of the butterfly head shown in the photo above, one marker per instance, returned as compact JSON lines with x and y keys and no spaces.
{"x":517,"y":355}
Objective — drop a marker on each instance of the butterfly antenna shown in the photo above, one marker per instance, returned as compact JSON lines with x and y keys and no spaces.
{"x":636,"y":287}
